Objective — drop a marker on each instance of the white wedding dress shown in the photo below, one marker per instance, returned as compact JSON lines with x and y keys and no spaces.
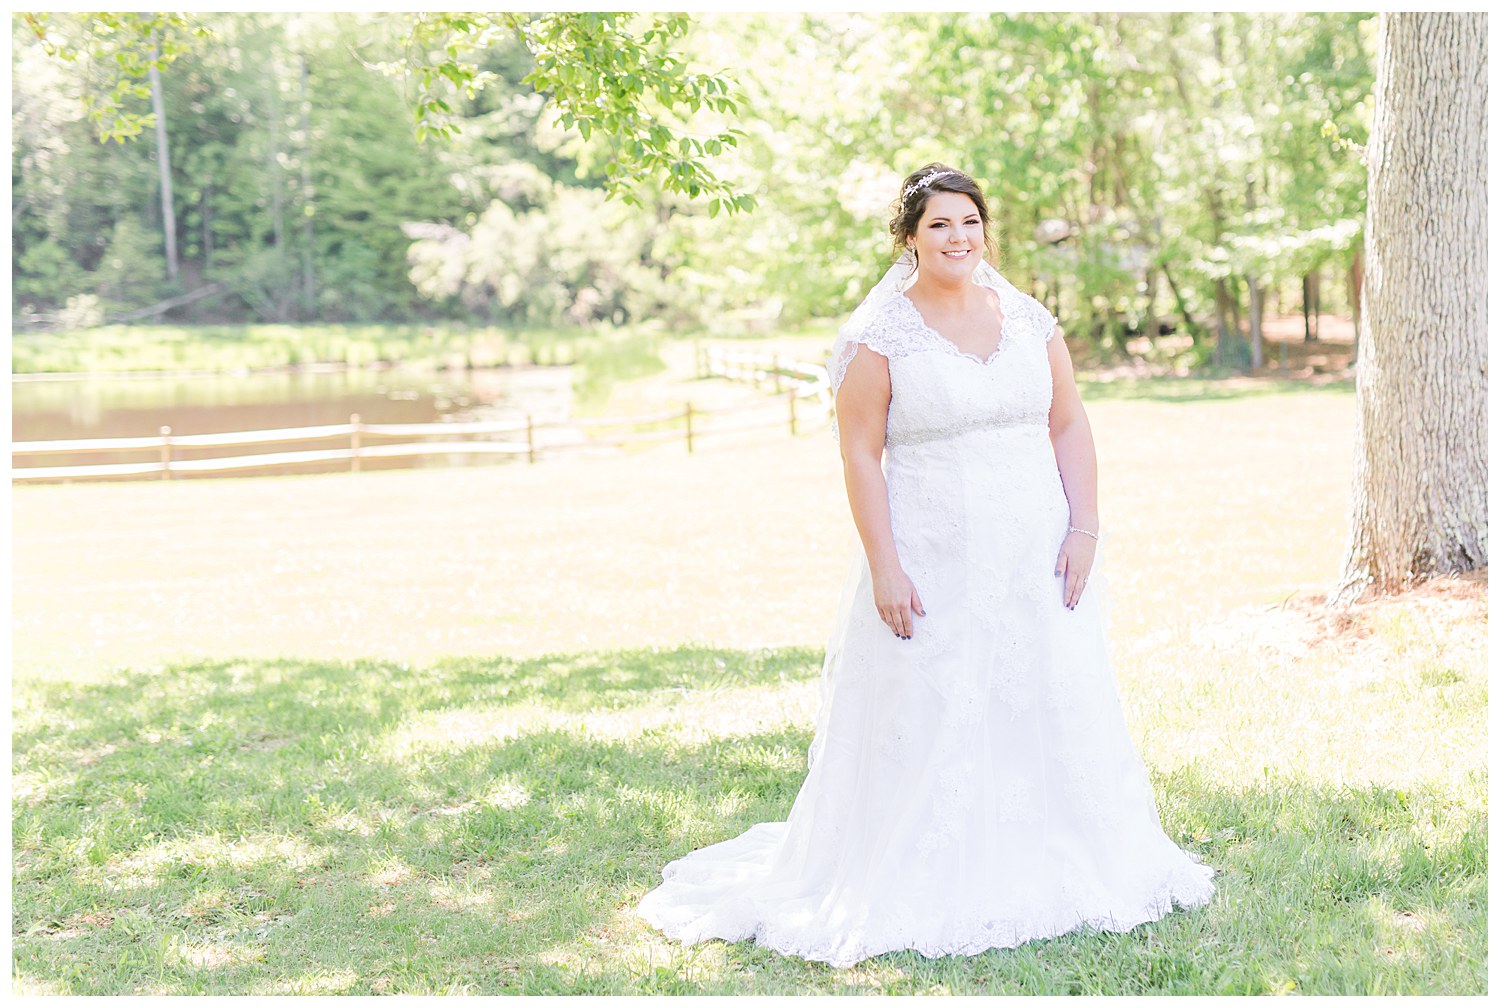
{"x":973,"y":787}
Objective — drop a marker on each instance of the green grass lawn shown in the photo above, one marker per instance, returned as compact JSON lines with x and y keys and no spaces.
{"x":437,"y":731}
{"x":229,"y":348}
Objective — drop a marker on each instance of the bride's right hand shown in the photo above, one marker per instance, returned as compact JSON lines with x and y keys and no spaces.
{"x":896,"y":600}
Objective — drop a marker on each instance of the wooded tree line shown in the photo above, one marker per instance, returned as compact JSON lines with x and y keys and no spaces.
{"x":1144,"y":169}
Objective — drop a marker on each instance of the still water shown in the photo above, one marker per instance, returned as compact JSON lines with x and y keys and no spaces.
{"x":50,"y":410}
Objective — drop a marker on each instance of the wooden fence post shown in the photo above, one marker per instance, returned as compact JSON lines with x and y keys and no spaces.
{"x":166,"y":453}
{"x":776,"y":373}
{"x":354,"y":442}
{"x":688,"y":416}
{"x":791,"y":401}
{"x":530,"y":439}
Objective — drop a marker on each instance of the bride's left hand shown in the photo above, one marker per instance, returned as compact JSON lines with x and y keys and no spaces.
{"x":1074,"y":561}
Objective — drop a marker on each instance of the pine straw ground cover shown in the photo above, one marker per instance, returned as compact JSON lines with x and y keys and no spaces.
{"x":437,"y":731}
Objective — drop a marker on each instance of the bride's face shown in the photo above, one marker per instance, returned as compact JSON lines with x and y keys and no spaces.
{"x":949,"y":239}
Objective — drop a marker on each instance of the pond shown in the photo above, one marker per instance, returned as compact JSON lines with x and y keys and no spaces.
{"x":67,"y":409}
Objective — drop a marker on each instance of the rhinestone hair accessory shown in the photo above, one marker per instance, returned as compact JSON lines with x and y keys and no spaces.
{"x":922,"y":183}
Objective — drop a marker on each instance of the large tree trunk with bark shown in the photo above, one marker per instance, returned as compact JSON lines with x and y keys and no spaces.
{"x":1357,"y":291}
{"x":1421,"y":462}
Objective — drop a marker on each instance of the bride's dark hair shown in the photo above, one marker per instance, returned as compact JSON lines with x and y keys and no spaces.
{"x":908,"y":207}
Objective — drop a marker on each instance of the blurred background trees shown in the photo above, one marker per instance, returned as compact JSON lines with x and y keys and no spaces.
{"x":1150,"y":173}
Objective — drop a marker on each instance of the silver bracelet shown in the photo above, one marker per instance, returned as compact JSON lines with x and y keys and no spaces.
{"x":1092,"y":535}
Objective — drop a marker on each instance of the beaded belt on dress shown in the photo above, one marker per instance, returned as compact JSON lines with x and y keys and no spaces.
{"x":907,"y":438}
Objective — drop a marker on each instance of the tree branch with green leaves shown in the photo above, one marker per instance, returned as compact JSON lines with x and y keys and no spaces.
{"x":603,"y":73}
{"x":124,"y":48}
{"x":601,"y":78}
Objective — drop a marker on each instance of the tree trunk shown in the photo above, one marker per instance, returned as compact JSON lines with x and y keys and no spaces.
{"x":1257,"y":300}
{"x":1257,"y":336}
{"x":1311,"y":306}
{"x":1151,"y":327}
{"x":1236,"y":323}
{"x":163,"y":168}
{"x":205,"y":214}
{"x":1420,"y":500}
{"x":273,"y":164}
{"x":1356,"y":295}
{"x":1221,"y":324}
{"x":1182,"y":308}
{"x":309,"y":279}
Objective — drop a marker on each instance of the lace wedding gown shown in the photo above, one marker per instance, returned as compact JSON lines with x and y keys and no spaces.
{"x":973,"y":787}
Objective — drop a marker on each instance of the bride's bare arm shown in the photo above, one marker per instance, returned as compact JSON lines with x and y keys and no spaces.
{"x":1073,"y":444}
{"x":864,"y":399}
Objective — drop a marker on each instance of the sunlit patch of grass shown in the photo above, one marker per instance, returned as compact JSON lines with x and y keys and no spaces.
{"x":204,"y":853}
{"x":339,"y":981}
{"x":716,"y":712}
{"x":628,"y":552}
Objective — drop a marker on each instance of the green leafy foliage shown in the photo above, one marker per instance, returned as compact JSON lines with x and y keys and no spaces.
{"x":1142,"y":169}
{"x":117,"y":52}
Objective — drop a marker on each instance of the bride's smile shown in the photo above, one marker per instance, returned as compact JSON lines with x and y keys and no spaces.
{"x":948,"y":241}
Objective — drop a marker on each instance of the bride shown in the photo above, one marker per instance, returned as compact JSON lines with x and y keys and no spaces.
{"x":971,"y":782}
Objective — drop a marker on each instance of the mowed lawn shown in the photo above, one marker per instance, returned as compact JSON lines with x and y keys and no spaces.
{"x":437,"y":731}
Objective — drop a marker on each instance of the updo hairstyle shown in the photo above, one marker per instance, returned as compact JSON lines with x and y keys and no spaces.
{"x":909,"y":211}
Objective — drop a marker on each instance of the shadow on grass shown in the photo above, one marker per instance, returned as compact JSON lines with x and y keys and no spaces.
{"x":258,"y":827}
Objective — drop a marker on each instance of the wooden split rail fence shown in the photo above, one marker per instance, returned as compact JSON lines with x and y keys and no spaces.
{"x":798,"y":380}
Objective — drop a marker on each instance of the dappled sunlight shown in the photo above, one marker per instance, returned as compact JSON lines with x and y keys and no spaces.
{"x":1405,"y":934}
{"x":390,"y":875}
{"x":34,"y":787}
{"x":1393,"y":691}
{"x":211,"y":955}
{"x":457,"y":899}
{"x":337,"y":981}
{"x":532,"y":801}
{"x":448,"y":812}
{"x":352,"y":822}
{"x":668,"y":967}
{"x":691,"y":716}
{"x":196,"y":854}
{"x":450,"y":730}
{"x":507,"y":796}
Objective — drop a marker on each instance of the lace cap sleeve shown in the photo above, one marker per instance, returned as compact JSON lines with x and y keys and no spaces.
{"x":879,"y":325}
{"x":852,"y":335}
{"x":1046,"y":320}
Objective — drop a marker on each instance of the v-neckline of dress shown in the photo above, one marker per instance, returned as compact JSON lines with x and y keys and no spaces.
{"x":951,"y":346}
